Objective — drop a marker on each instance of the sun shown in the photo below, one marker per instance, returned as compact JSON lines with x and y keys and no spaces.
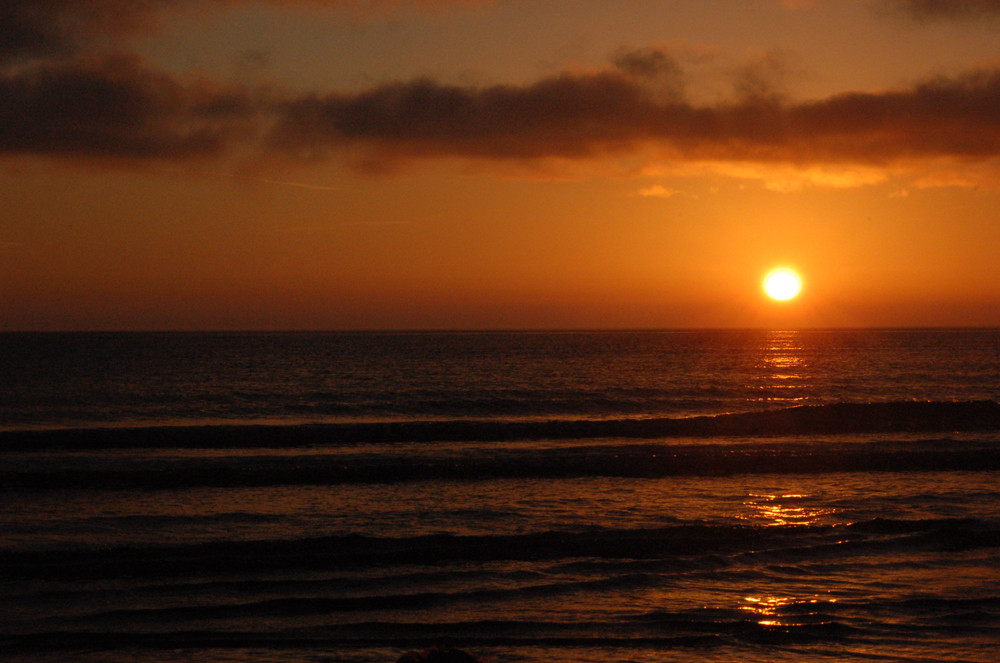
{"x":782,"y":284}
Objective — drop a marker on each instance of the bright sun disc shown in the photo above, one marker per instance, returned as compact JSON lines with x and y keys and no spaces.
{"x":782,"y":284}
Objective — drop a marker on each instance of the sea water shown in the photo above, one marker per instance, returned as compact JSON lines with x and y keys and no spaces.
{"x":544,"y":496}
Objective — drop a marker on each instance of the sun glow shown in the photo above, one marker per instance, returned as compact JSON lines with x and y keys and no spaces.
{"x":782,"y":284}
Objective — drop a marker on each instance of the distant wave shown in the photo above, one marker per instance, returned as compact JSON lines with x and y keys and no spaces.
{"x":836,"y":418}
{"x":344,"y":453}
{"x":630,"y":553}
{"x":633,"y":459}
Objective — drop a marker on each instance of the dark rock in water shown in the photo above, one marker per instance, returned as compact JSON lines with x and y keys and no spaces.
{"x":437,"y":655}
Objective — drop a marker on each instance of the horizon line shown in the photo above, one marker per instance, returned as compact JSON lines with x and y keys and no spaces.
{"x":498,"y":330}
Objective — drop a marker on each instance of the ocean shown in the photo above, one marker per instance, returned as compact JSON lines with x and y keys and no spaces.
{"x":641,"y":496}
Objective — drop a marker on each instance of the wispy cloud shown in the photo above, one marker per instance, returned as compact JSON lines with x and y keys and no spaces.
{"x":297,"y":185}
{"x":658,"y":191}
{"x":244,"y":176}
{"x":946,"y":9}
{"x":60,"y":27}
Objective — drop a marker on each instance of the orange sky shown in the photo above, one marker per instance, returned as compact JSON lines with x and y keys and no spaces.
{"x":329,"y":164}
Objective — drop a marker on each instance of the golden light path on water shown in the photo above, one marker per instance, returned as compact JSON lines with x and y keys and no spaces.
{"x":782,"y":510}
{"x":781,"y":372}
{"x":766,"y":608}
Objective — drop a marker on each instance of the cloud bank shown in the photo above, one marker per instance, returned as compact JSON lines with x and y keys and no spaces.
{"x":63,"y":100}
{"x":585,"y":115}
{"x":116,"y":106}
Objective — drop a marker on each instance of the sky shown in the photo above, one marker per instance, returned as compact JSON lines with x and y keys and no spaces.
{"x":498,"y":164}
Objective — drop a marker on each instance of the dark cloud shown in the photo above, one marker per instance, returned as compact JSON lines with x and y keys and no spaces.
{"x":767,"y":76}
{"x":114,"y":107}
{"x":945,"y":117}
{"x":33,"y":28}
{"x":647,"y":63}
{"x":658,"y":70}
{"x":22,"y":31}
{"x":71,"y":102}
{"x":581,"y":115}
{"x":61,"y":27}
{"x":565,"y":116}
{"x":947,"y":9}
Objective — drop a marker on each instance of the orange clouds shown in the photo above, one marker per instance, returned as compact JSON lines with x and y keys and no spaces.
{"x":66,"y":96}
{"x":584,"y":115}
{"x":114,"y":107}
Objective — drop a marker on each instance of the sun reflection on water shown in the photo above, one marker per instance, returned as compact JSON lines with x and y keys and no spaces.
{"x":773,"y":510}
{"x":767,"y":610}
{"x":781,"y":372}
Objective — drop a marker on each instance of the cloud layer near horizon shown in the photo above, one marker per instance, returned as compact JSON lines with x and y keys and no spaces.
{"x":117,"y":107}
{"x":586,"y":114}
{"x":61,"y":101}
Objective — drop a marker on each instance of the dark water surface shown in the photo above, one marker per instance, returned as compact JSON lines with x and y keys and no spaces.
{"x":590,"y":496}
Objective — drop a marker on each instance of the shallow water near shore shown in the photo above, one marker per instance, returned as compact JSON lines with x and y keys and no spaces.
{"x":548,"y":496}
